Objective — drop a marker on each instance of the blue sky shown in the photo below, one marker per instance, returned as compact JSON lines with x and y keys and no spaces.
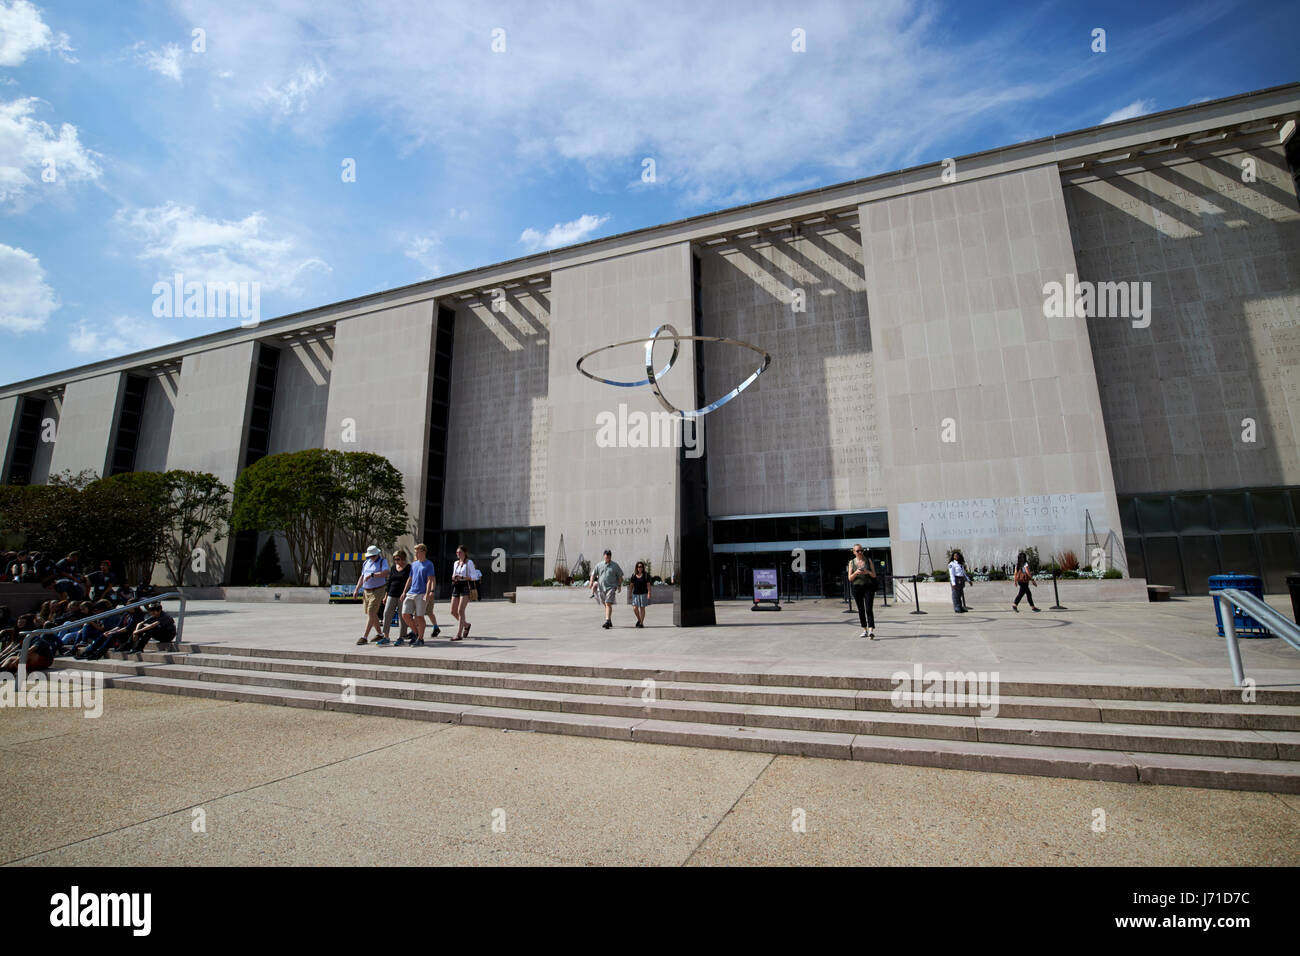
{"x":220,"y":154}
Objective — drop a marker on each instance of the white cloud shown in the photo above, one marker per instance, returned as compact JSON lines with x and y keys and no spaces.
{"x":120,"y":336}
{"x":179,"y":239}
{"x":26,"y":144}
{"x":166,"y":61}
{"x":22,"y":31}
{"x":562,"y":233}
{"x":460,"y":214}
{"x":1136,"y":108}
{"x":720,"y":99}
{"x":421,"y":249}
{"x":26,"y":301}
{"x":292,"y":95}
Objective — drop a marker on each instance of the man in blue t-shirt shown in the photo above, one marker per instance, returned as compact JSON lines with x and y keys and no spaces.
{"x":418,"y":598}
{"x":372,"y":586}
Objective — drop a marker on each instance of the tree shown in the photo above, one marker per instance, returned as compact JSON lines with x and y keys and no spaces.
{"x":198,"y":510}
{"x":129,"y":520}
{"x":294,"y":493}
{"x":371,"y":502}
{"x":316,"y":495}
{"x":48,"y":518}
{"x":79,"y":482}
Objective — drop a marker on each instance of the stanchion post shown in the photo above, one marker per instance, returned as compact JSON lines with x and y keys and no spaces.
{"x":1056,"y":594}
{"x":916,"y":590}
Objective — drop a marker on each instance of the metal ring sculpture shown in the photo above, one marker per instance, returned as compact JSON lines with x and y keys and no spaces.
{"x":652,"y":377}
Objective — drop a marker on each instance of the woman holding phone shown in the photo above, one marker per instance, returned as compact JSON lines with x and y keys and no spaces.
{"x":463,"y":575}
{"x":862,"y":579}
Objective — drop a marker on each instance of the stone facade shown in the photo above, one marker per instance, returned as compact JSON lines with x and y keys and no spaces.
{"x":1223,"y":345}
{"x":498,"y":440}
{"x":917,"y":365}
{"x":611,"y":497}
{"x":804,"y":436}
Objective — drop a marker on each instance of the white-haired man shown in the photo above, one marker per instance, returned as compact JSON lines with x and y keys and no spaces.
{"x":373,"y":587}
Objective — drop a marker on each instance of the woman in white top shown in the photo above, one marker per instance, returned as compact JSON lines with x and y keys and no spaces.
{"x":463,"y":575}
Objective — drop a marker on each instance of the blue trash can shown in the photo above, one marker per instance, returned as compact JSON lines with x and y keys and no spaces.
{"x":1244,"y":623}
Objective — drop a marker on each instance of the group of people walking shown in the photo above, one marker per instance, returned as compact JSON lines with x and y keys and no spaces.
{"x":863,"y":581}
{"x":411,"y":587}
{"x":607,"y":582}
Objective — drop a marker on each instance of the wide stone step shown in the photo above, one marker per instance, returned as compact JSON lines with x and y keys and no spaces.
{"x":789,"y":678}
{"x":1281,"y":776}
{"x":1226,"y":716}
{"x":1267,"y":745}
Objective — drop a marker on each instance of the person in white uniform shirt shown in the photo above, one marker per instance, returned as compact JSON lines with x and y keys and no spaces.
{"x":957,"y":580}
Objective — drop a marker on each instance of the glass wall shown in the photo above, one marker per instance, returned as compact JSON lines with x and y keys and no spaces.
{"x":1182,"y":539}
{"x":741,"y":545}
{"x":518,"y":564}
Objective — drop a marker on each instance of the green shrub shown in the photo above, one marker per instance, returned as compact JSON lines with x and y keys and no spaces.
{"x":1112,"y":573}
{"x":996,"y":575}
{"x":940,"y":575}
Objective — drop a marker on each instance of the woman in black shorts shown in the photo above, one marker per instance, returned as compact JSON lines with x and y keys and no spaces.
{"x":463,"y":575}
{"x":639,"y":582}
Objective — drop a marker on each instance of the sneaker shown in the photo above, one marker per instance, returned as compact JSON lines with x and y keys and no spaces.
{"x":409,"y":635}
{"x":607,"y":624}
{"x":400,"y":642}
{"x":871,"y":633}
{"x":639,"y":624}
{"x":436,"y":631}
{"x":361,"y":640}
{"x":384,"y":642}
{"x":418,"y":642}
{"x":1036,"y":609}
{"x":864,"y":633}
{"x":1016,"y":609}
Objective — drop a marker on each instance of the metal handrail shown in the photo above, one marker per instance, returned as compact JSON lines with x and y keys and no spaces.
{"x":1270,"y":618}
{"x":28,"y":635}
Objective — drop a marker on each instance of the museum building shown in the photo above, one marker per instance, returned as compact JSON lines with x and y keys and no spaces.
{"x":1087,"y":341}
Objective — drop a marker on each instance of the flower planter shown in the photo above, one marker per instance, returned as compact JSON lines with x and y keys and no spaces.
{"x":994,"y":594}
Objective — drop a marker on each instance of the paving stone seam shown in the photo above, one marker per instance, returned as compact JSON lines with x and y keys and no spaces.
{"x":749,"y":787}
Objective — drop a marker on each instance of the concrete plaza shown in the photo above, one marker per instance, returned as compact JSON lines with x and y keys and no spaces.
{"x":1165,"y":644}
{"x":274,"y":785}
{"x":180,"y":780}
